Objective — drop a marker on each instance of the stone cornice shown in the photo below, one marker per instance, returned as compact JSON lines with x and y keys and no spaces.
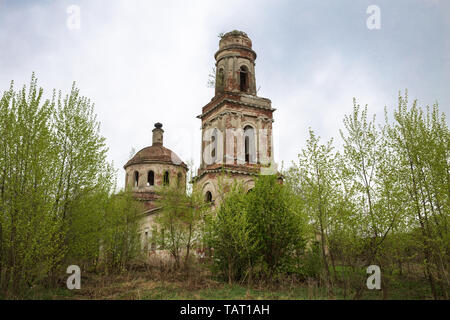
{"x":235,"y":113}
{"x":220,"y":103}
{"x":145,"y":161}
{"x":223,"y":170}
{"x":151,"y":211}
{"x":235,"y":46}
{"x":230,"y":55}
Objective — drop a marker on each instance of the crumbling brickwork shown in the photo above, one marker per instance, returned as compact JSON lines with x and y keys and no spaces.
{"x":149,"y":169}
{"x":236,"y":142}
{"x":236,"y":123}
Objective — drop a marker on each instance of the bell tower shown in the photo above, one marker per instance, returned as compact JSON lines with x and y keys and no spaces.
{"x":236,"y":123}
{"x":235,"y":64}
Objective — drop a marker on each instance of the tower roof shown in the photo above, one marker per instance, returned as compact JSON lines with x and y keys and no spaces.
{"x":236,"y":42}
{"x":235,"y":33}
{"x":155,"y":154}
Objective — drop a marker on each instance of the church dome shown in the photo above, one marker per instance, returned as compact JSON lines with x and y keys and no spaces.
{"x":155,"y":154}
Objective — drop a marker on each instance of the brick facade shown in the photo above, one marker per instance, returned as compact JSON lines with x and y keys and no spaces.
{"x":236,"y":112}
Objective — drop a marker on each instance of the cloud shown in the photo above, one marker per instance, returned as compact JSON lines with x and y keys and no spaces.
{"x":321,"y":102}
{"x":143,"y":62}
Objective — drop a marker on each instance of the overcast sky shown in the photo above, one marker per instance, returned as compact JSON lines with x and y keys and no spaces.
{"x":143,"y":62}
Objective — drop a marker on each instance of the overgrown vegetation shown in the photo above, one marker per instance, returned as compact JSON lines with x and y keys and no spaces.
{"x":179,"y":221}
{"x":57,"y":206}
{"x":311,"y":232}
{"x":384,"y":200}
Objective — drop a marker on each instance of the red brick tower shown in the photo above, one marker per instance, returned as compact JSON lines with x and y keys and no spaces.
{"x":236,"y":123}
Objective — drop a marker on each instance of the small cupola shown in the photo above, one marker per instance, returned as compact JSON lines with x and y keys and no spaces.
{"x":158,"y":133}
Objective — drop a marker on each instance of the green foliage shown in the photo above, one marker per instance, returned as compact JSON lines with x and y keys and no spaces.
{"x":311,"y":262}
{"x":211,"y":82}
{"x":179,"y":220}
{"x":257,"y":234}
{"x":119,"y":237}
{"x":279,"y":227}
{"x":420,"y":139}
{"x":55,"y":186}
{"x":231,"y":235}
{"x":383,"y":201}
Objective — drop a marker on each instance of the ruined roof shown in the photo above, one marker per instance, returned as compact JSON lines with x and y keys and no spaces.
{"x":155,"y":154}
{"x":234,"y":42}
{"x":234,"y":33}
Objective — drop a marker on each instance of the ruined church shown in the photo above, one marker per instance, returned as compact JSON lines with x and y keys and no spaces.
{"x":236,"y":135}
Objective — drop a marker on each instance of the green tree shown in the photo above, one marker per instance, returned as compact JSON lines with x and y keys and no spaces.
{"x":316,"y":177}
{"x":230,"y":234}
{"x":119,"y":240}
{"x":27,"y":227}
{"x":180,"y":217}
{"x":421,"y":141}
{"x":368,"y":161}
{"x":278,"y":225}
{"x":56,"y":187}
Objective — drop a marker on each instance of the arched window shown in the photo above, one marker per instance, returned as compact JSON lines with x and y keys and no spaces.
{"x":179,"y":178}
{"x":220,"y":79}
{"x":213,"y":152}
{"x":247,"y":149}
{"x":153,"y":239}
{"x":243,"y":77}
{"x":150,"y":178}
{"x":249,"y":144}
{"x":162,"y":245}
{"x":166,"y":178}
{"x":214,"y":146}
{"x":208,"y":196}
{"x":136,"y":178}
{"x":146,"y":238}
